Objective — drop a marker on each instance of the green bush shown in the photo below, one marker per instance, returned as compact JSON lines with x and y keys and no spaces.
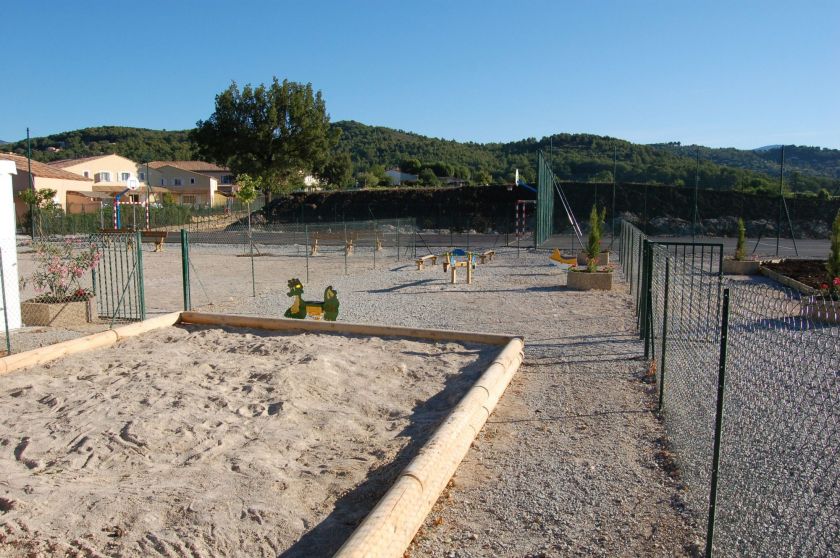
{"x":741,"y":248}
{"x":593,"y":246}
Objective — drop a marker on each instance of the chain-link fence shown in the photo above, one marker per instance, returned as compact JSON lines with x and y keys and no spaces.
{"x":78,"y":219}
{"x":748,"y":381}
{"x":70,"y":286}
{"x":223,"y":266}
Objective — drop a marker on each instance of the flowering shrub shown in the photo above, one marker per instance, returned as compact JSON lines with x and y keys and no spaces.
{"x":831,"y":290}
{"x":60,"y":266}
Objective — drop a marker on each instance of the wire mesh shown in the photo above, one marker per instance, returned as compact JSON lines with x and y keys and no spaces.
{"x":228,"y":265}
{"x":779,"y":460}
{"x":778,"y":478}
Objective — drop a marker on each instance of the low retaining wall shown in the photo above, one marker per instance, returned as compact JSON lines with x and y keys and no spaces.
{"x":390,"y":527}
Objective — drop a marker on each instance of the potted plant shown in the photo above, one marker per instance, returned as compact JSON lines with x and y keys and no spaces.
{"x":603,"y":256}
{"x":740,"y":264}
{"x":62,"y":301}
{"x":825,"y":306}
{"x":592,"y":275}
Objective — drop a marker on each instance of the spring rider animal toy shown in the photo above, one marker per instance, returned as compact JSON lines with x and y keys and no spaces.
{"x":328,"y":309}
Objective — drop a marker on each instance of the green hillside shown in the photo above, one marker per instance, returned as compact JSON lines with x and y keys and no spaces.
{"x":138,"y":144}
{"x":574,"y":157}
{"x":806,"y":168}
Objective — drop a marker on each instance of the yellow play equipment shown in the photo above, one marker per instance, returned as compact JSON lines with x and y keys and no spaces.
{"x":561,"y":259}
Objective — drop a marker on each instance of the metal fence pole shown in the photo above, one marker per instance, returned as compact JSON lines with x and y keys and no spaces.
{"x":664,"y":332}
{"x":141,"y":289}
{"x":398,"y":240}
{"x":724,"y":336}
{"x":185,"y":268}
{"x":306,"y":239}
{"x":5,"y":313}
{"x":253,"y":272}
{"x":645,"y":296}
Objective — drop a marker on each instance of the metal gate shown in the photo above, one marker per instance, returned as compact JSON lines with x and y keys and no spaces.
{"x":118,"y":277}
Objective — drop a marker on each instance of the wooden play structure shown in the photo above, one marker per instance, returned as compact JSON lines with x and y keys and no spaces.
{"x":389,"y":528}
{"x":459,"y":258}
{"x":423,"y":260}
{"x":349,"y":240}
{"x":158,"y":237}
{"x":300,"y":309}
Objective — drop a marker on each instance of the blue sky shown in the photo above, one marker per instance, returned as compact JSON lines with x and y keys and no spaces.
{"x":739,"y":73}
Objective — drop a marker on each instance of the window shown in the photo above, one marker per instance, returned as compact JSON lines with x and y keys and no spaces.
{"x":177,"y":182}
{"x":142,"y":176}
{"x":125,"y":176}
{"x":103,"y":176}
{"x":188,"y":199}
{"x":227,"y":179}
{"x":192,"y":180}
{"x":163,"y":182}
{"x":86,"y":174}
{"x":134,"y":198}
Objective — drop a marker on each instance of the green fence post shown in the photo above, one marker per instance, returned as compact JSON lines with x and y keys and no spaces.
{"x":253,"y":272}
{"x":185,"y":268}
{"x":643,"y":292}
{"x":398,"y":240}
{"x":141,"y":289}
{"x":724,"y":337}
{"x":306,"y":240}
{"x":664,"y":332}
{"x":5,"y":313}
{"x":375,"y":238}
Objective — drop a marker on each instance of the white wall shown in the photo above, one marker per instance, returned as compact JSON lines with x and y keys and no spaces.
{"x":8,"y":246}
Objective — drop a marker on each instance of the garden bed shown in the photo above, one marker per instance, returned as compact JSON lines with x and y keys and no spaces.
{"x":218,"y":441}
{"x":811,"y":273}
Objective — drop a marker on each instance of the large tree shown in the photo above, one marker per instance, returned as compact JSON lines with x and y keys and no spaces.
{"x":277,"y":133}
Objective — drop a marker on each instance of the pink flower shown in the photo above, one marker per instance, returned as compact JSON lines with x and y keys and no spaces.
{"x":824,"y":287}
{"x":836,"y":281}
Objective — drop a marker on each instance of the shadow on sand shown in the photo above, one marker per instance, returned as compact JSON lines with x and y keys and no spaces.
{"x":350,"y":509}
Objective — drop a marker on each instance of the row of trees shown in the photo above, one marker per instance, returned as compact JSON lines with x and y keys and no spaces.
{"x":281,"y":133}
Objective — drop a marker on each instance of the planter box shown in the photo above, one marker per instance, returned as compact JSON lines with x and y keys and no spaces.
{"x":58,"y":314}
{"x":787,"y":281}
{"x":586,"y":281}
{"x":821,"y":310}
{"x":603,"y":258}
{"x":740,"y":267}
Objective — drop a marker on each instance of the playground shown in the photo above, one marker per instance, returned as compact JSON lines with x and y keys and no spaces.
{"x":576,"y":458}
{"x":218,"y":441}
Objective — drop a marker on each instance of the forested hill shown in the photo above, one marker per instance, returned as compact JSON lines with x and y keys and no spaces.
{"x":586,"y":157}
{"x":810,"y":161}
{"x":574,"y":157}
{"x":138,"y":144}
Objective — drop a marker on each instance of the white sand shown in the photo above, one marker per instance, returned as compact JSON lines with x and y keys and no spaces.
{"x":211,"y":442}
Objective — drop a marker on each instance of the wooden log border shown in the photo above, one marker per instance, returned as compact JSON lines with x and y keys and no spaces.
{"x":389,"y":528}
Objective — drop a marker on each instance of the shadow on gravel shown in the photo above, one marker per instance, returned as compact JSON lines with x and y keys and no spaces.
{"x":403,"y":286}
{"x":572,"y":417}
{"x":325,"y":538}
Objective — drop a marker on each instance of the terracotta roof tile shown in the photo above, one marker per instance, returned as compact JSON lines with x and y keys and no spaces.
{"x":193,"y":166}
{"x":62,"y":163}
{"x":41,"y":169}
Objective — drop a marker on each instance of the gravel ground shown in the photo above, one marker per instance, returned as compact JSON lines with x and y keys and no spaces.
{"x":572,"y":463}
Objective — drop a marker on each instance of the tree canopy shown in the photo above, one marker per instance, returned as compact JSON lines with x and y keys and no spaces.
{"x":277,"y":133}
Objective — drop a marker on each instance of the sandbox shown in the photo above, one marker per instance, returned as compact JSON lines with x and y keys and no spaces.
{"x":224,"y":435}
